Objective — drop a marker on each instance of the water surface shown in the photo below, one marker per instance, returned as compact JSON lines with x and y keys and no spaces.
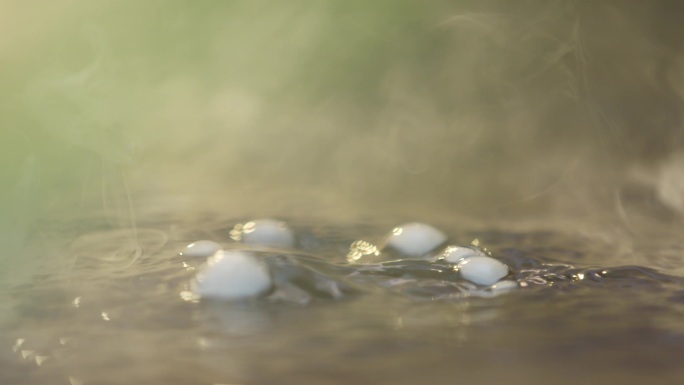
{"x":105,"y":314}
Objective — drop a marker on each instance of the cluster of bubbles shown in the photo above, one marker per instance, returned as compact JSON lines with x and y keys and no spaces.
{"x":238,"y":274}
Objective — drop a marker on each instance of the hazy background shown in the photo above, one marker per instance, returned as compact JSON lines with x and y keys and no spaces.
{"x":548,"y":113}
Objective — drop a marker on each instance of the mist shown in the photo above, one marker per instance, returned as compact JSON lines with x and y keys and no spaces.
{"x":526,"y":114}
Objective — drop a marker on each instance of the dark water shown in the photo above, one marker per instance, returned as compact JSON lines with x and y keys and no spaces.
{"x":108,"y":314}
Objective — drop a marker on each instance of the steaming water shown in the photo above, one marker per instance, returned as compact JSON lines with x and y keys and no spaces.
{"x":550,"y":131}
{"x":109,"y":315}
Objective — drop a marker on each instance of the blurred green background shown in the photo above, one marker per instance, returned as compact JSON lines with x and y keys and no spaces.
{"x":529,"y":110}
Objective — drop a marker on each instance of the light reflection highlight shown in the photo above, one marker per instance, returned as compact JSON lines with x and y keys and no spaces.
{"x":18,"y":344}
{"x":41,"y":359}
{"x":189,"y":296}
{"x":236,"y":232}
{"x":188,"y":267}
{"x":248,"y":227}
{"x":360,"y":249}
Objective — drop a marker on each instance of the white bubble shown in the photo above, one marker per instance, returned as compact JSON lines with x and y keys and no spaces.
{"x":201,"y":249}
{"x":455,"y":254}
{"x":265,"y":232}
{"x":482,"y":270}
{"x":415,"y":239}
{"x":232,"y":275}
